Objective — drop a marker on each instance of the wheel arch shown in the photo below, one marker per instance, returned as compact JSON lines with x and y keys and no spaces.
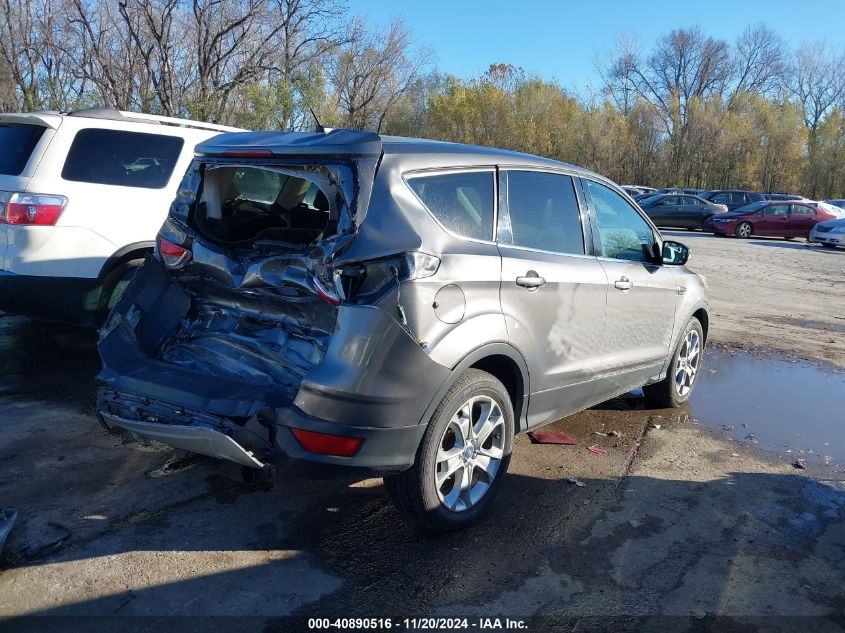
{"x":136,"y":250}
{"x":501,"y":360}
{"x":749,"y":223}
{"x":703,"y":317}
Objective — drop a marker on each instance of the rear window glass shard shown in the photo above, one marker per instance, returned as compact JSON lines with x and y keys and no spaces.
{"x":17,"y":140}
{"x":461,"y":201}
{"x":246,"y":204}
{"x":125,"y":159}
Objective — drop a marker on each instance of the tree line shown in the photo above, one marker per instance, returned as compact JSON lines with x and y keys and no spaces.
{"x":688,"y":109}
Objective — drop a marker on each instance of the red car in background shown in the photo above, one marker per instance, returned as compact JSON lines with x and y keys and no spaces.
{"x":775,"y":218}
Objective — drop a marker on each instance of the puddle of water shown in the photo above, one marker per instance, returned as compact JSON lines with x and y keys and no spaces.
{"x":793,"y":408}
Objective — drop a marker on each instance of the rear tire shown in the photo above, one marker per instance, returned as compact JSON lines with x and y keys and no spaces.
{"x":676,"y":388}
{"x":458,"y":468}
{"x":113,"y":286}
{"x":743,"y":231}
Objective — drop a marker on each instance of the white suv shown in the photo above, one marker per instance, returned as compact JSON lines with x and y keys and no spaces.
{"x":82,"y":196}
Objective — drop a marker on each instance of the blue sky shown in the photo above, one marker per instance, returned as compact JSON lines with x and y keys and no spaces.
{"x":560,"y":39}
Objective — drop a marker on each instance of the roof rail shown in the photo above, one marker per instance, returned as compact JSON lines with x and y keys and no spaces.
{"x":152,"y":119}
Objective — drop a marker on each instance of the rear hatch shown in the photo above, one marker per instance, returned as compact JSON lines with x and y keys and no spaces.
{"x":240,"y":300}
{"x":23,"y":138}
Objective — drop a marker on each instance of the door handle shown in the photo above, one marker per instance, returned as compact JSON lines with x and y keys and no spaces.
{"x":623,"y":284}
{"x":531,"y":280}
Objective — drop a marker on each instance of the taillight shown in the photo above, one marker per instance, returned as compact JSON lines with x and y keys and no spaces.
{"x":368,"y":281}
{"x":326,"y":444}
{"x":324,"y":290}
{"x":30,"y":209}
{"x":172,"y":255}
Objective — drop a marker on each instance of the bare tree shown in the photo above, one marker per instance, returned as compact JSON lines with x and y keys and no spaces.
{"x":371,"y":73}
{"x":8,"y":98}
{"x":311,"y":30}
{"x":684,"y":67}
{"x":109,"y":57}
{"x":760,"y":61}
{"x":32,"y":45}
{"x":816,"y":81}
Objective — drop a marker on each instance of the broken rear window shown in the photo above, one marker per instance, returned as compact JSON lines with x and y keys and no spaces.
{"x":243,"y":204}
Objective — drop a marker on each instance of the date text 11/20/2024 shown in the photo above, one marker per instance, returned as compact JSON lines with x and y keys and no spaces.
{"x":417,"y":624}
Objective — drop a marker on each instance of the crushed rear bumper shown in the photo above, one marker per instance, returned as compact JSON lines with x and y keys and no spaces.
{"x":261,"y":440}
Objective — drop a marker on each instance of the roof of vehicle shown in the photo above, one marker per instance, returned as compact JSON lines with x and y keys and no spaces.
{"x":356,"y":143}
{"x":714,"y":191}
{"x":52,"y":118}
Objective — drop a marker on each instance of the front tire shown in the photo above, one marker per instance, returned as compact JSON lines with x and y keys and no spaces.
{"x":462,"y":458}
{"x":743,"y":231}
{"x":676,"y":388}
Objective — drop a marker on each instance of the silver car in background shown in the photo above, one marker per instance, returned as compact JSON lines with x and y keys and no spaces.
{"x":394,"y":306}
{"x":830,"y":233}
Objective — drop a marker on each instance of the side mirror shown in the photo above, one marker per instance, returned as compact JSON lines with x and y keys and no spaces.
{"x":675,"y":253}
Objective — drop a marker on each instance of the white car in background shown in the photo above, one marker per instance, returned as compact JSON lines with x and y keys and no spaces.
{"x":835,"y":207}
{"x":830,"y":233}
{"x":82,"y":196}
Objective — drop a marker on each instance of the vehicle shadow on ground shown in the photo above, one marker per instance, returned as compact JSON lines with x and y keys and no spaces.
{"x":650,"y":546}
{"x":51,"y":362}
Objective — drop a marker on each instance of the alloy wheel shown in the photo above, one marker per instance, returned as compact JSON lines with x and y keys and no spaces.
{"x":686,"y":367}
{"x":470,"y":453}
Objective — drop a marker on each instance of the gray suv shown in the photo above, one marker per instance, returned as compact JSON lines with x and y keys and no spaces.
{"x":396,"y":306}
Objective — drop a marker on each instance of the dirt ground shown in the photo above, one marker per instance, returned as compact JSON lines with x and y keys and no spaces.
{"x":676,"y":528}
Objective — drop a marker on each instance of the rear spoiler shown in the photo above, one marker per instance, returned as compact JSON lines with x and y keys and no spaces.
{"x":335,"y":143}
{"x":44,"y":119}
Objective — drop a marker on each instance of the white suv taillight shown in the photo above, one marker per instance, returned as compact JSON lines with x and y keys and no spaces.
{"x":30,"y":209}
{"x":172,"y":255}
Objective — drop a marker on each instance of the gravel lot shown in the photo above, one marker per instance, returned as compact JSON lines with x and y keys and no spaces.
{"x":674,"y":521}
{"x":775,"y":294}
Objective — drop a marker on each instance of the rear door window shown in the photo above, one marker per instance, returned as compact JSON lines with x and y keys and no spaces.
{"x":544,"y":212}
{"x":800,"y":209}
{"x":17,"y":141}
{"x":461,"y":201}
{"x":126,"y":159}
{"x":777,"y":209}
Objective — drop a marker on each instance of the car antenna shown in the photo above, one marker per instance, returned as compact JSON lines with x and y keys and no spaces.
{"x":321,"y":129}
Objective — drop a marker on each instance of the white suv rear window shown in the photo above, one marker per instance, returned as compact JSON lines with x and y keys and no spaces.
{"x":127,"y":159}
{"x":18,"y":141}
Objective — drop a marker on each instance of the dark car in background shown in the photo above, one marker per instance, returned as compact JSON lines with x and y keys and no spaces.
{"x":732,"y":199}
{"x":686,"y":190}
{"x":782,"y":196}
{"x":679,"y":210}
{"x":772,"y":218}
{"x":664,"y":190}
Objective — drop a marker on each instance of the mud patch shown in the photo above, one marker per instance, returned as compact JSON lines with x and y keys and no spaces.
{"x":784,"y":405}
{"x":176,"y":464}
